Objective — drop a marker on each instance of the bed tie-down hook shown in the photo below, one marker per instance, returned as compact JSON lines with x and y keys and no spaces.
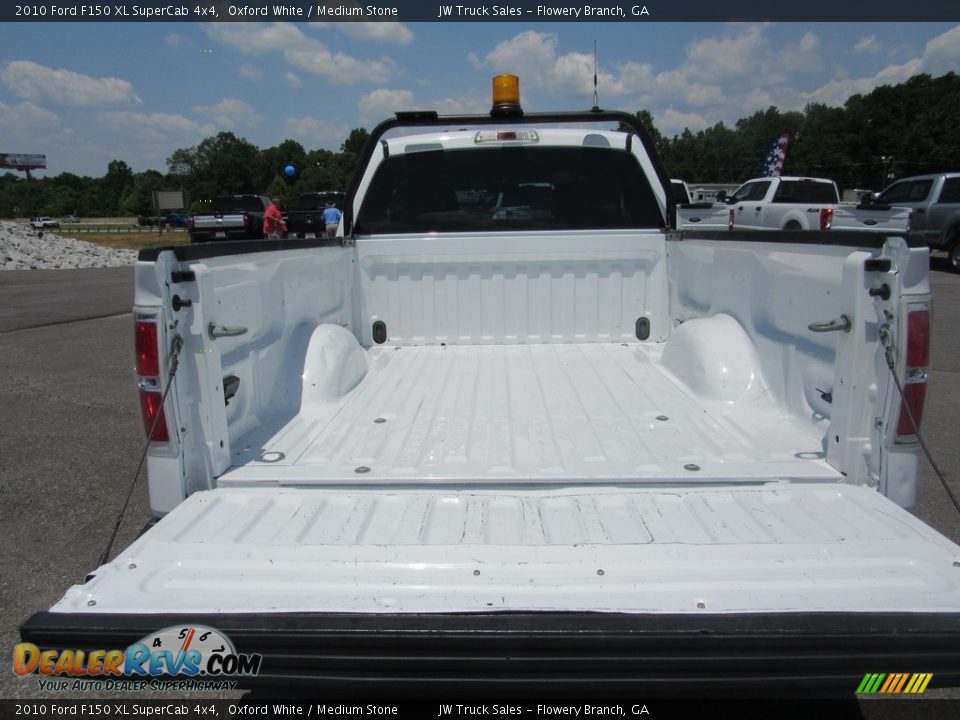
{"x":841,"y":323}
{"x":218,"y":331}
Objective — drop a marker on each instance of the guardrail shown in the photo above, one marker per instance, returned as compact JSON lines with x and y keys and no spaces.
{"x":115,"y":227}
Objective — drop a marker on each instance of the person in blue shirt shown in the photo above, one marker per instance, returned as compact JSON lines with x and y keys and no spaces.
{"x":331,"y":218}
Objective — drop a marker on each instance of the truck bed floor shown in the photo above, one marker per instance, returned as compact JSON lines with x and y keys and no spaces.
{"x":529,"y":413}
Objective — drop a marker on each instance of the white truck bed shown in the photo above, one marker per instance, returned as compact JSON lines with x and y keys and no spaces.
{"x":530,"y":478}
{"x":529,"y":413}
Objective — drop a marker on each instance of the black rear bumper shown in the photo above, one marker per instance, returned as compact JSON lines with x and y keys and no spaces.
{"x":773,"y":655}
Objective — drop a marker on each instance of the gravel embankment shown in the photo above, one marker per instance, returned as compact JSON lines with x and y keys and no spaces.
{"x":23,"y":248}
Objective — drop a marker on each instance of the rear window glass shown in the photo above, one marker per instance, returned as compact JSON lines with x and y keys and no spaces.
{"x":679,"y":192}
{"x":908,"y":191}
{"x":951,"y":191}
{"x":751,"y":192}
{"x":493,"y":188}
{"x":238,"y":202}
{"x":806,"y":191}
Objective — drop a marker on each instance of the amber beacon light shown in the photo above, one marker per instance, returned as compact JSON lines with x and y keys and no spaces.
{"x":506,"y":95}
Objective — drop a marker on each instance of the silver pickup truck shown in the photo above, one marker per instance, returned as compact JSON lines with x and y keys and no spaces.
{"x":232,"y":217}
{"x":935,"y":201}
{"x":560,"y":449}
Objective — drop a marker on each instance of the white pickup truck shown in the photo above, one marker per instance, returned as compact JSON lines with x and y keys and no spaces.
{"x":791,"y":203}
{"x":564,"y":449}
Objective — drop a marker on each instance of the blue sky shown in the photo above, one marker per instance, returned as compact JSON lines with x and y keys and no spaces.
{"x":85,"y":94}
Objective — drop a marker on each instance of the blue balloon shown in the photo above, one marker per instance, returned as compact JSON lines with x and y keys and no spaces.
{"x":290,"y":170}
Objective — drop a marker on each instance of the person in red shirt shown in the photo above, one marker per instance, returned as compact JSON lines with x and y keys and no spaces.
{"x":274,"y":227}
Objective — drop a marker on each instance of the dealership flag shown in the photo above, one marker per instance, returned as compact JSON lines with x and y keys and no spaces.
{"x":773,"y":165}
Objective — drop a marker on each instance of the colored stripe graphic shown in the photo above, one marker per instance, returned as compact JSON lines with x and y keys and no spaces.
{"x":870,"y":682}
{"x":920,"y":682}
{"x":894,"y":683}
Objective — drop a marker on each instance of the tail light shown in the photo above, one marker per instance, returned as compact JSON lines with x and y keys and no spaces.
{"x":147,"y":348}
{"x":826,"y":218}
{"x":730,"y":219}
{"x":915,"y":373}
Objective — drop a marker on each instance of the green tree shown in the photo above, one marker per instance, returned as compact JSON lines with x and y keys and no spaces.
{"x":139,"y":199}
{"x":355,"y":141}
{"x":219,"y":165}
{"x":274,"y":160}
{"x":115,"y":184}
{"x":322,"y":171}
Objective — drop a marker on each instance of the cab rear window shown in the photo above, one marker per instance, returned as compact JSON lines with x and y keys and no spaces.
{"x":907,"y":191}
{"x":806,"y":191}
{"x":495,"y":188}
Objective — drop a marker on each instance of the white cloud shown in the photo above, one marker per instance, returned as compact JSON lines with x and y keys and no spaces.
{"x":292,"y":80}
{"x":530,"y":54}
{"x":673,"y":122}
{"x":338,"y":68}
{"x":868,"y":45}
{"x":389,"y":32}
{"x":26,"y":120}
{"x":459,"y":106}
{"x":804,"y":57}
{"x":172,"y":39}
{"x":533,"y":55}
{"x":312,"y":131}
{"x":731,"y":58}
{"x":254,"y":37}
{"x":300,"y":51}
{"x":251,"y":72}
{"x":62,"y":87}
{"x":383,"y":103}
{"x":137,"y":123}
{"x":230,"y":113}
{"x":941,"y":54}
{"x":736,"y":70}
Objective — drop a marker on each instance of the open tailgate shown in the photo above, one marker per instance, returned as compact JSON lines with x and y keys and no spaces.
{"x":723,"y":588}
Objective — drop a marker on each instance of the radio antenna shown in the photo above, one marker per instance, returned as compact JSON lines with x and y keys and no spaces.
{"x":596,"y":104}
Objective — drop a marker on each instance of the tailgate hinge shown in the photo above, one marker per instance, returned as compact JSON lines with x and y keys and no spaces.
{"x":183,"y":276}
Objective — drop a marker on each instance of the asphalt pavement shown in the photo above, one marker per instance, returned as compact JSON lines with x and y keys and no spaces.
{"x":70,"y":438}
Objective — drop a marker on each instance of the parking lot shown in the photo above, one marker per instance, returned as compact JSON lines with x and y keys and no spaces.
{"x":71,"y":437}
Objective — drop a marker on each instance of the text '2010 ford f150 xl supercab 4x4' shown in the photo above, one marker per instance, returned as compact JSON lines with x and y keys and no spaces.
{"x":563,"y":448}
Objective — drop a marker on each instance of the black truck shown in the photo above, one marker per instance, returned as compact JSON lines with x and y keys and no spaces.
{"x":305,"y":220}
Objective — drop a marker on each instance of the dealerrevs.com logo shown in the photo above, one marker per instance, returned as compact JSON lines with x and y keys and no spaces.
{"x":190,"y":651}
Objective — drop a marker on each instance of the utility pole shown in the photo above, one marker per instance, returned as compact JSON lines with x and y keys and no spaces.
{"x":888,"y":173}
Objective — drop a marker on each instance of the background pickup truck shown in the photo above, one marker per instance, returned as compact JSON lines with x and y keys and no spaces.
{"x":305,"y":220}
{"x":935,"y":202}
{"x":44,"y":223}
{"x":560,"y":450}
{"x":232,"y":217}
{"x":791,"y":203}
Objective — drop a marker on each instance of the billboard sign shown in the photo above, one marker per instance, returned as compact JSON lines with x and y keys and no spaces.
{"x":22,"y":162}
{"x":169,"y":199}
